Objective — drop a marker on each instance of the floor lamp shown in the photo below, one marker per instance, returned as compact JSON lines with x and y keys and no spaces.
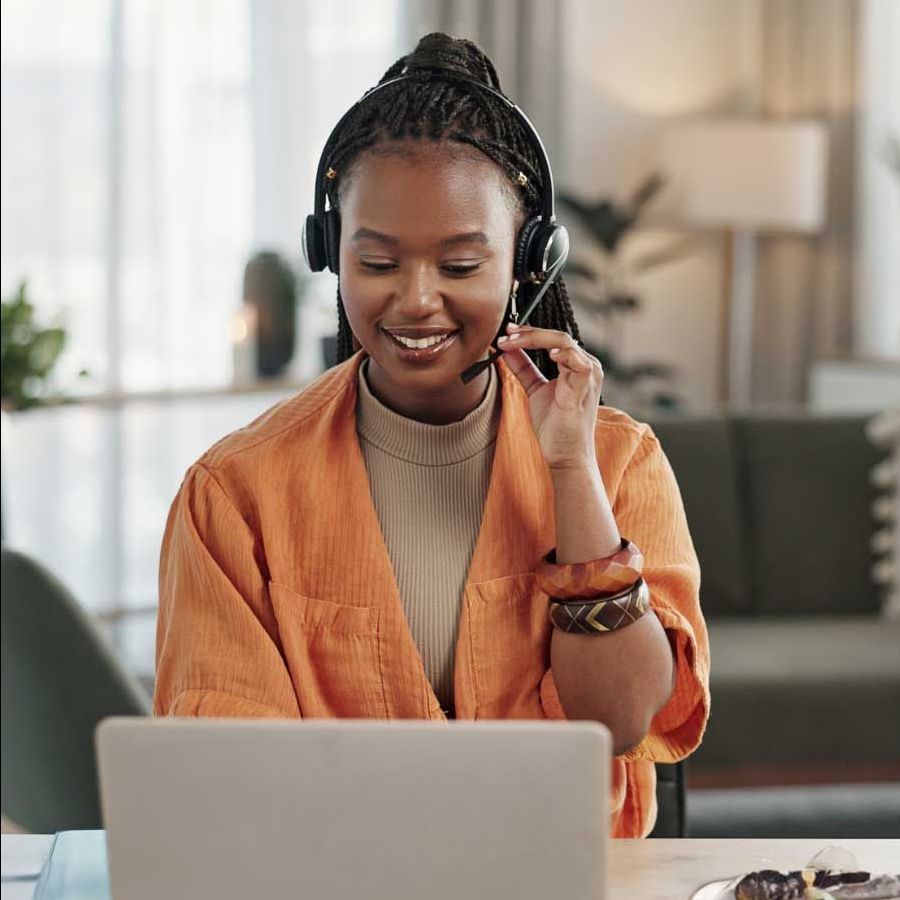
{"x":745,"y":176}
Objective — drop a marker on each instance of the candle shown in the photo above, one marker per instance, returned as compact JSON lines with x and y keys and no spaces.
{"x":243,"y":344}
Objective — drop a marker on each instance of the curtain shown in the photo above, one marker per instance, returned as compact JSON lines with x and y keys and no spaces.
{"x":804,"y":284}
{"x":122,"y":122}
{"x":311,"y":62}
{"x":523,"y":38}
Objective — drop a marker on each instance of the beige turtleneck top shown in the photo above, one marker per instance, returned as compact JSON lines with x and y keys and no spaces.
{"x":429,"y":484}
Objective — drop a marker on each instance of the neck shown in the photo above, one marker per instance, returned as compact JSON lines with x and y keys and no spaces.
{"x":432,"y":407}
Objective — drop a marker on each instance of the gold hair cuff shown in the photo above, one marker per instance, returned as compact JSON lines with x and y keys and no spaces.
{"x":331,"y":174}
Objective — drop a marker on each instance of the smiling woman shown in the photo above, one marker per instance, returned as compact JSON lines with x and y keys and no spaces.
{"x":398,"y":542}
{"x":426,"y":273}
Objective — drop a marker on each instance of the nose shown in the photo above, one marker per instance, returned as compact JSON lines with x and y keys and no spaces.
{"x":419,"y":297}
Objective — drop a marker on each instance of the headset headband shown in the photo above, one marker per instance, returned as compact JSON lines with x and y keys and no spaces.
{"x":548,"y":215}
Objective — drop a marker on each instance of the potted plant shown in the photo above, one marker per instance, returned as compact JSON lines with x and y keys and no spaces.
{"x":28,"y":352}
{"x":600,"y":286}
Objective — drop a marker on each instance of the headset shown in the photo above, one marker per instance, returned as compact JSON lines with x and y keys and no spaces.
{"x":542,"y":245}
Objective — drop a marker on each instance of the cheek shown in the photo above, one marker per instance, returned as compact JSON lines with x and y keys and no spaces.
{"x":482,"y":306}
{"x":363,"y":301}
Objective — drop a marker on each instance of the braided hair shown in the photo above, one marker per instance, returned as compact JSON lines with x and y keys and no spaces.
{"x":431,"y":106}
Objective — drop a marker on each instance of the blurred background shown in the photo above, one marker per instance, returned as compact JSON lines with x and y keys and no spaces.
{"x":730,"y":172}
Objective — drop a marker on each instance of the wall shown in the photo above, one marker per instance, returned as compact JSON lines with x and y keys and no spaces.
{"x":877,"y":318}
{"x":631,"y":68}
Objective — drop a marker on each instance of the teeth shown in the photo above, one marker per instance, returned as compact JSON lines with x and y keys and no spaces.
{"x":420,"y":343}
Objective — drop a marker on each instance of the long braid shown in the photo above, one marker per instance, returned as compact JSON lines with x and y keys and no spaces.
{"x":432,"y":106}
{"x":345,"y":347}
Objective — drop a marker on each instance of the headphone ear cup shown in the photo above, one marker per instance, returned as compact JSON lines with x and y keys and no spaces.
{"x":333,"y":239}
{"x":313,"y":244}
{"x":539,"y":249}
{"x":524,"y":243}
{"x":551,"y":248}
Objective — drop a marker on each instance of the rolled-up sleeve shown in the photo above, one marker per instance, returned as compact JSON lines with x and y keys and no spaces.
{"x":216,"y":646}
{"x":649,"y":511}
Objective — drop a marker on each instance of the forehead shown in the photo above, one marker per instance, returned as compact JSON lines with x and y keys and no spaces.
{"x":421,"y":190}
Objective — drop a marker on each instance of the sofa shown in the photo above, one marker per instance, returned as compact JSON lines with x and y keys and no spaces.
{"x":805,"y":676}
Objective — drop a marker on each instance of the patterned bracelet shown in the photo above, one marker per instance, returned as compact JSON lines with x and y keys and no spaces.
{"x":600,"y":578}
{"x":598,"y":616}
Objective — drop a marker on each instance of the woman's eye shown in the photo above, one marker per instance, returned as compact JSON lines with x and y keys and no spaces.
{"x":376,"y":266}
{"x":456,"y":270}
{"x":461,"y":270}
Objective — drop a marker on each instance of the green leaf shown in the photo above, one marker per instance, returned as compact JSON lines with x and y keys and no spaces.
{"x":28,"y":352}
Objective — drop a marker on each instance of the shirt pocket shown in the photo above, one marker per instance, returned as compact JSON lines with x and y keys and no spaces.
{"x":334,"y":654}
{"x":509,"y":637}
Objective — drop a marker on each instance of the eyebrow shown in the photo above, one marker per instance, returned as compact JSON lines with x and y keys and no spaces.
{"x":467,"y":237}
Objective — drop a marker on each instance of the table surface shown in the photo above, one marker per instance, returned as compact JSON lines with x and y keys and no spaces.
{"x":674,"y":869}
{"x":638,"y":870}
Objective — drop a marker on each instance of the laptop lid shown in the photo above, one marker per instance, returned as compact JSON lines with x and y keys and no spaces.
{"x":405,"y":810}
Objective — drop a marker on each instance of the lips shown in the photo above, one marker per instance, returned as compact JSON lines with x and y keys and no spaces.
{"x":416,"y":332}
{"x":421,"y":355}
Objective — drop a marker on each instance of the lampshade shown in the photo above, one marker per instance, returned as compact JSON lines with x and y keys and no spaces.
{"x":747,"y":173}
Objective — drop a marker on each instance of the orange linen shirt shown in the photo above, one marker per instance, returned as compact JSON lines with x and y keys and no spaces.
{"x":278,"y":598}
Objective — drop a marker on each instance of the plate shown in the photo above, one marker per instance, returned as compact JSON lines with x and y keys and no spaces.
{"x":716,"y":890}
{"x":832,"y":857}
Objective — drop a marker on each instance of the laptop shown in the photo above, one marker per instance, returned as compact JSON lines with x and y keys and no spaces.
{"x":406,"y":810}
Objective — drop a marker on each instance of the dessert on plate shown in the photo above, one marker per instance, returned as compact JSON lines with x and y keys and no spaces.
{"x":832,"y":874}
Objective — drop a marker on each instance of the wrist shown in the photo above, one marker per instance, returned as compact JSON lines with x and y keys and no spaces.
{"x":585,"y":526}
{"x":574,"y":468}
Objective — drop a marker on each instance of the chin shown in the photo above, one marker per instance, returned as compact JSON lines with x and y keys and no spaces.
{"x":431,"y":379}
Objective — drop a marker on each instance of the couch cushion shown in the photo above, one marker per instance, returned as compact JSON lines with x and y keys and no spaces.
{"x":824,"y":811}
{"x":809,"y":513}
{"x":803,"y":691}
{"x":701,"y":453}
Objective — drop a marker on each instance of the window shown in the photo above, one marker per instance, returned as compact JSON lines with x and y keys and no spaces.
{"x":149,"y":149}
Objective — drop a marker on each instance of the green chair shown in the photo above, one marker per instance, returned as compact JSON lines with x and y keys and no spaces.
{"x":670,"y":801}
{"x":59,"y":679}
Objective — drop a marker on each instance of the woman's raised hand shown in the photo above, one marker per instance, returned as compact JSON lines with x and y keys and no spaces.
{"x":563,"y":411}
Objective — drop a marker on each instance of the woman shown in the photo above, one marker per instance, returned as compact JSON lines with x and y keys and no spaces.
{"x":393,"y":542}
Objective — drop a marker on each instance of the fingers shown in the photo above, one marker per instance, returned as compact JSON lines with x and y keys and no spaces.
{"x":524,"y":369}
{"x":562,"y":347}
{"x":573,"y":358}
{"x":535,"y":338}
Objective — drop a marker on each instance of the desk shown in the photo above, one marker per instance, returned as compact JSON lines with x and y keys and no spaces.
{"x":644,"y":870}
{"x":672,"y":869}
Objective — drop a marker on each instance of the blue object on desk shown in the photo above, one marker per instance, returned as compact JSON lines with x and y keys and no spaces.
{"x":76,"y":868}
